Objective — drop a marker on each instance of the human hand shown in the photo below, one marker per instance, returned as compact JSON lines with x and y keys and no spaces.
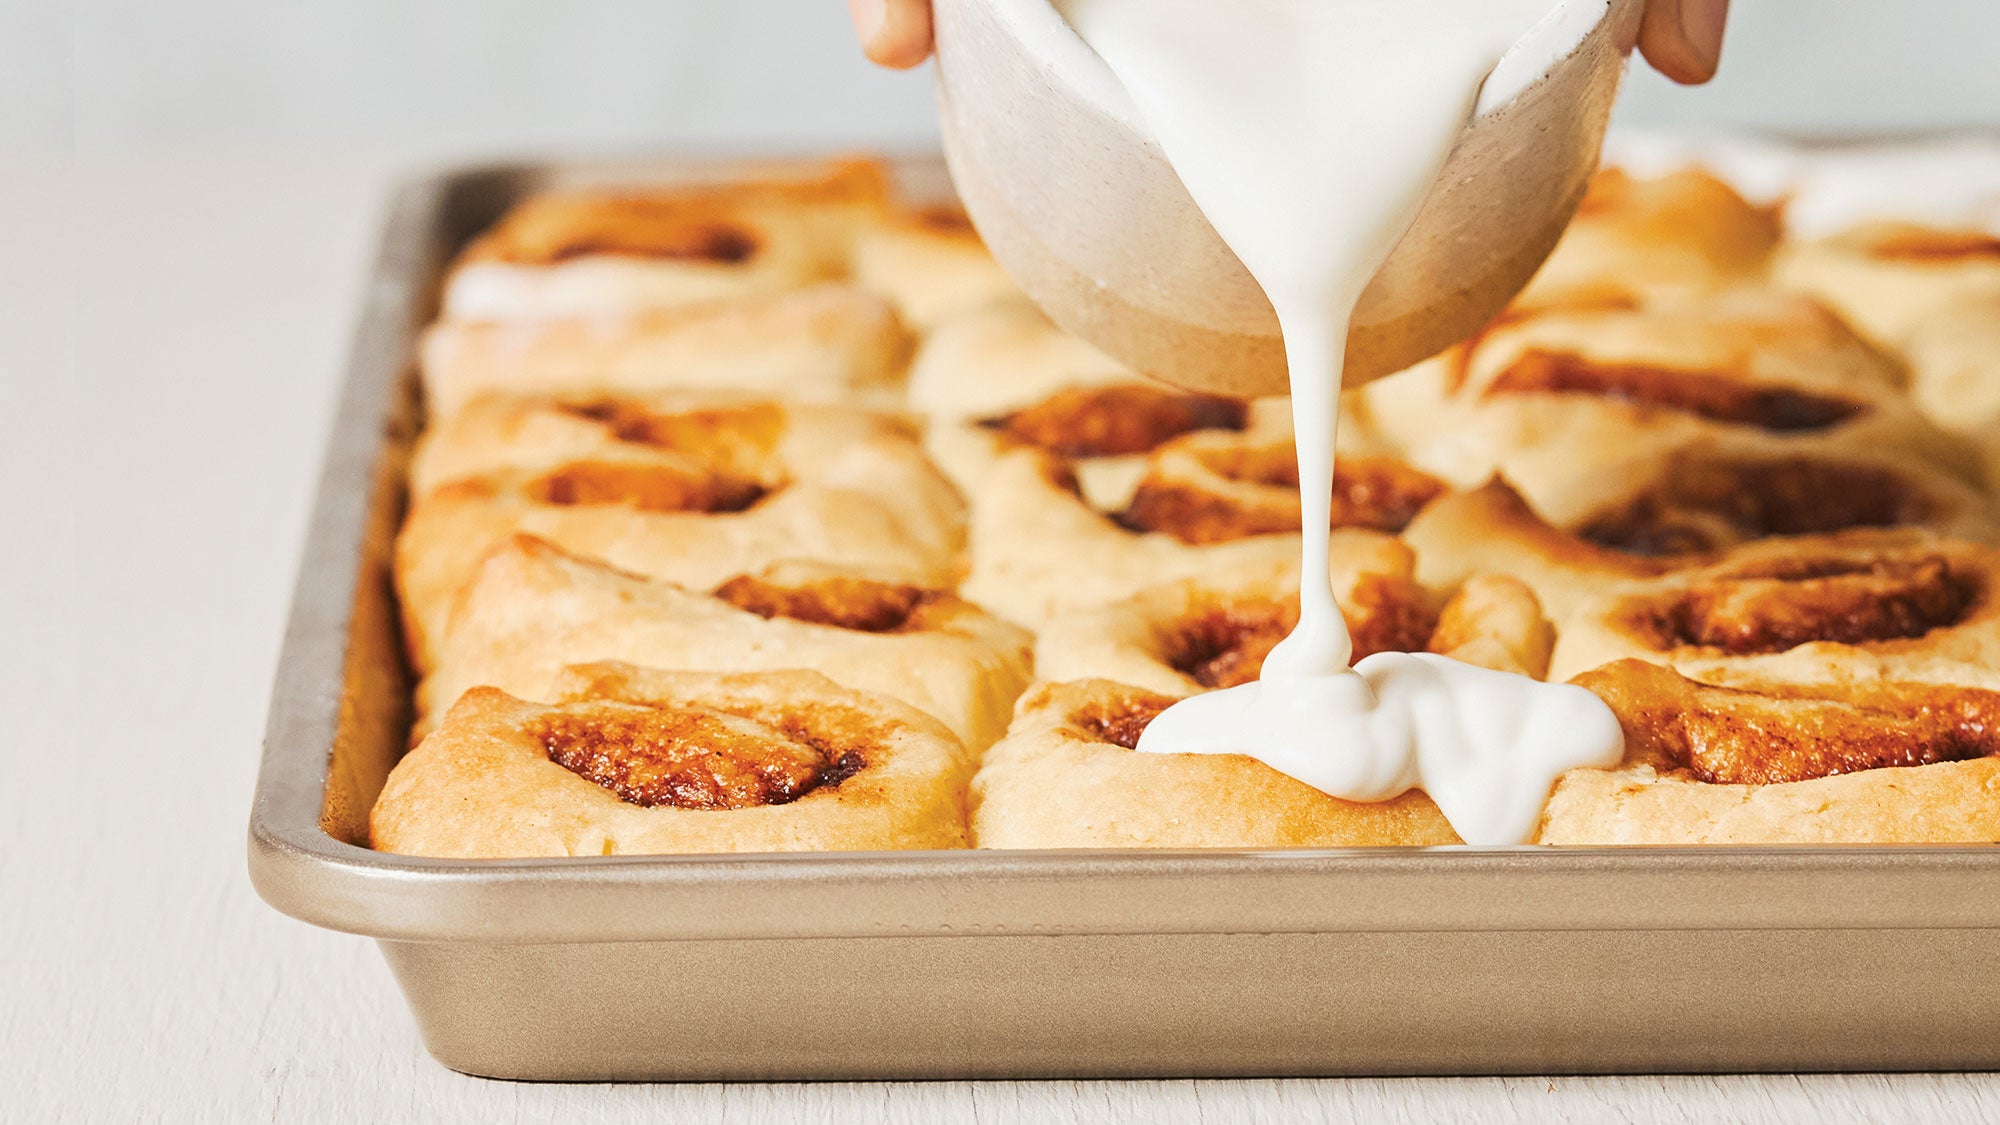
{"x":1681,"y":38}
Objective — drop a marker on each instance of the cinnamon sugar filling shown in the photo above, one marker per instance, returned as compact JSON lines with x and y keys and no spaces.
{"x":723,"y":430}
{"x":1122,"y":720}
{"x":716,"y":243}
{"x":946,"y":220}
{"x":1926,"y":245}
{"x":1254,"y":490}
{"x":1717,"y":397}
{"x":1222,"y":642}
{"x":691,"y":759}
{"x":843,"y":602}
{"x":648,"y":488}
{"x":1776,"y":735}
{"x":1701,"y":505}
{"x":1798,"y":601}
{"x":1116,"y":420}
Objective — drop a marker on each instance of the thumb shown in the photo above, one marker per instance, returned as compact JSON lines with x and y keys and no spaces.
{"x":1683,"y":38}
{"x":894,"y":33}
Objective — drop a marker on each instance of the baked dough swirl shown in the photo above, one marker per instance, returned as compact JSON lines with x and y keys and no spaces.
{"x":828,"y":343}
{"x":1888,"y":594}
{"x":1206,"y":501}
{"x":1066,"y":776}
{"x":532,"y":609}
{"x":695,"y":495}
{"x":1805,"y":751}
{"x":631,"y":761}
{"x":1214,"y":631}
{"x":591,"y":252}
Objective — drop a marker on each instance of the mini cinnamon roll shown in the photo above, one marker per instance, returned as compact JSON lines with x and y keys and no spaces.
{"x":629,"y":761}
{"x":1634,"y":238}
{"x":830,"y":342}
{"x":610,"y":252}
{"x":1885,"y":277}
{"x":1548,"y":400}
{"x":1003,"y":375}
{"x":691,"y":496}
{"x":1491,"y":529}
{"x":1824,"y":598}
{"x":1067,"y":776}
{"x":1207,"y":502}
{"x":931,"y":264}
{"x":1829,"y":757}
{"x":1214,"y":631}
{"x":532,"y":609}
{"x":1682,"y":511}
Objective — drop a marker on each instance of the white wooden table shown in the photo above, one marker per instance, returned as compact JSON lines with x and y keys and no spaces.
{"x":171,"y":328}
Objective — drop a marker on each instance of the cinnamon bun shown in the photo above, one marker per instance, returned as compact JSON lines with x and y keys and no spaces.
{"x":1888,"y":594}
{"x":1207,"y":501}
{"x":532,"y":609}
{"x":1210,"y":632}
{"x":588,"y":252}
{"x":1549,"y":400}
{"x":1831,"y":752}
{"x":695,"y":497}
{"x":1067,"y":776}
{"x":634,"y":762}
{"x":826,"y":343}
{"x":1681,"y":510}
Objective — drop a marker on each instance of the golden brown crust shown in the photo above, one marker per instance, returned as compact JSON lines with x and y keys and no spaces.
{"x":930,"y":262}
{"x":531,"y":609}
{"x":1635,"y":237}
{"x":629,"y":761}
{"x":1065,"y":777}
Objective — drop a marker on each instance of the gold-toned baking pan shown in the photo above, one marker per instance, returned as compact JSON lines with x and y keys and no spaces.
{"x":1017,"y":964}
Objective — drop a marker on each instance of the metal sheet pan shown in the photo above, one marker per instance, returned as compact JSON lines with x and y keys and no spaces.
{"x":1020,"y":964}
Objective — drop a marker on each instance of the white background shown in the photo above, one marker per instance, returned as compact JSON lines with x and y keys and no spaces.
{"x":475,"y":75}
{"x":185,"y":214}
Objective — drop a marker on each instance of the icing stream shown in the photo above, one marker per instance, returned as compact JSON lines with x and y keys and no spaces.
{"x":1309,"y":132}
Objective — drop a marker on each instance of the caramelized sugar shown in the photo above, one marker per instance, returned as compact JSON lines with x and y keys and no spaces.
{"x":1115,"y":420}
{"x":1240,"y":491}
{"x":1120,"y":721}
{"x":1222,"y":642}
{"x":1922,"y":244}
{"x":1715,"y":396}
{"x":648,"y":488}
{"x":1701,"y":505}
{"x":712,"y":432}
{"x":840,"y":601}
{"x":687,"y":758}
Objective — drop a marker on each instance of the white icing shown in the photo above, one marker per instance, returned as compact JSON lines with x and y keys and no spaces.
{"x":1309,"y":132}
